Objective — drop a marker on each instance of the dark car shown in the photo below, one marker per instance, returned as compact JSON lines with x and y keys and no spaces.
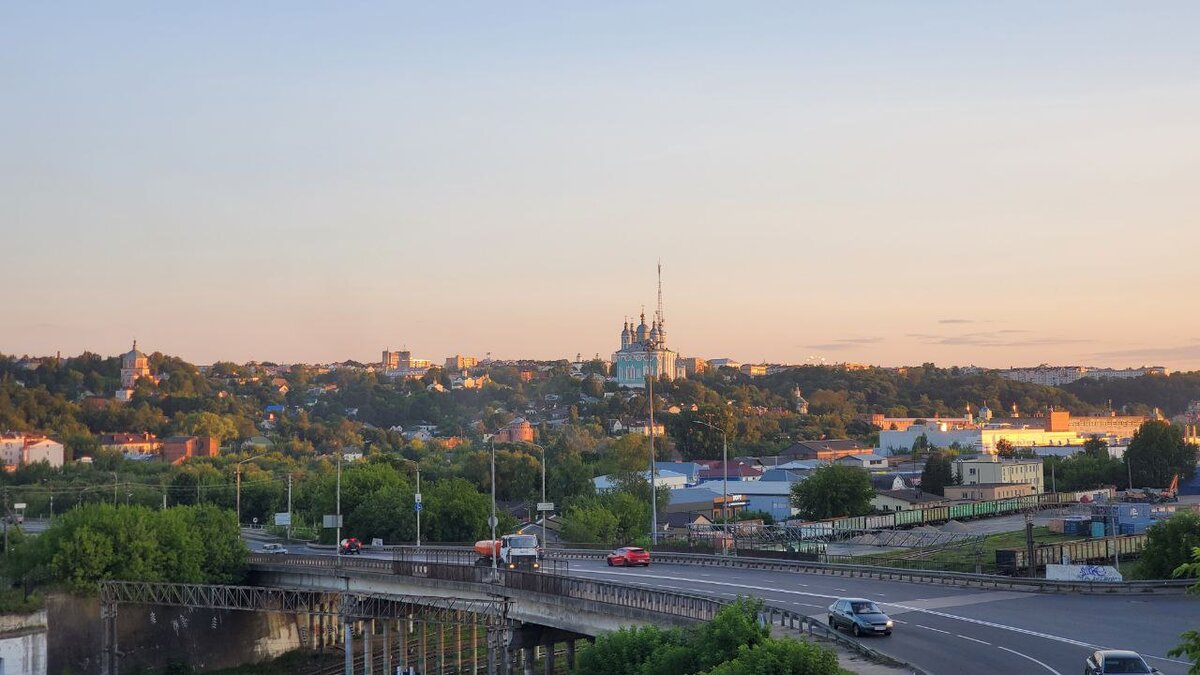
{"x":1116,"y":661}
{"x":350,"y":546}
{"x":859,"y":616}
{"x":629,"y":555}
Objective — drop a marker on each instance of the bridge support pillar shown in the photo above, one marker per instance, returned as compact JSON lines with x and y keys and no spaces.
{"x":368,"y":627}
{"x":458,"y":649}
{"x":547,"y":658}
{"x":424,"y":647}
{"x":387,"y":647}
{"x":527,"y":661}
{"x":493,"y":646}
{"x":348,"y":638}
{"x":571,"y":654}
{"x":108,"y":639}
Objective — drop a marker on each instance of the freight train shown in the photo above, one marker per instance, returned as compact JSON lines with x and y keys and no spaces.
{"x":833,"y":528}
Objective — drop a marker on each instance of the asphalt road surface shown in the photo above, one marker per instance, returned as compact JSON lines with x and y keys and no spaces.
{"x":945,"y":630}
{"x":956,"y":630}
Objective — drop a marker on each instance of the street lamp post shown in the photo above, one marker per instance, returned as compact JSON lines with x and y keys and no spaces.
{"x":237,"y":470}
{"x":492,"y":521}
{"x":725,"y":462}
{"x":417,"y":505}
{"x":543,"y":513}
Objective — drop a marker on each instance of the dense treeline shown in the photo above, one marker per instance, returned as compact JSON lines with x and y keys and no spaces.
{"x":196,"y":544}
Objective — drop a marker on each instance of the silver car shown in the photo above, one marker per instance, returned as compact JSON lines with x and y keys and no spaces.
{"x":274,"y":548}
{"x":1116,"y":661}
{"x":860,"y":616}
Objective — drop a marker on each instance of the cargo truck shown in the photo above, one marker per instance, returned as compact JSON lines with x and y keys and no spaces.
{"x":512,"y":551}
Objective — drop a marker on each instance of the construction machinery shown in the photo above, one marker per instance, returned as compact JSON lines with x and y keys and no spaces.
{"x":1153,"y":496}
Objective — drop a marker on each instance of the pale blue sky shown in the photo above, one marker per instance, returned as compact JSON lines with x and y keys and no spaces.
{"x":990,"y":183}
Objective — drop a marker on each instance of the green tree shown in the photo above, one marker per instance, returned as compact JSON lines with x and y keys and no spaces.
{"x":1190,"y":645}
{"x":1169,"y":544}
{"x":1005,"y":449}
{"x":1158,"y":452}
{"x":937,"y":474}
{"x":220,"y":427}
{"x":589,"y":522}
{"x":832,"y":491}
{"x":456,"y":512}
{"x":1096,"y":447}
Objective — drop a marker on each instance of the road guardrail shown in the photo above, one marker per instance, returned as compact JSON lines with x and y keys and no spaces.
{"x":991,"y":581}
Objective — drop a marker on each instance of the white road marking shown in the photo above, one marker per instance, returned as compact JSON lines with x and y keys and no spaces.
{"x":936,"y":630}
{"x":1024,"y":656}
{"x":967,"y":637}
{"x":944,"y":615}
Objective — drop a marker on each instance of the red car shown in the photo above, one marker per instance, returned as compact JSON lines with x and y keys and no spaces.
{"x":629,"y":555}
{"x":350,"y":546}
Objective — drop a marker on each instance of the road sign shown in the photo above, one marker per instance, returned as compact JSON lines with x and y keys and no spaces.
{"x":19,"y":505}
{"x":417,"y":507}
{"x":492,"y":522}
{"x":331,"y":521}
{"x":255,"y":519}
{"x":545,"y":506}
{"x":284,"y":519}
{"x":417,"y":497}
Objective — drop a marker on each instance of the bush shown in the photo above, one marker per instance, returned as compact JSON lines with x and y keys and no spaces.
{"x":733,"y":643}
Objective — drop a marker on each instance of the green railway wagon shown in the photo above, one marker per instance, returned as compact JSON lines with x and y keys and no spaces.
{"x":909,"y":518}
{"x":962,"y":511}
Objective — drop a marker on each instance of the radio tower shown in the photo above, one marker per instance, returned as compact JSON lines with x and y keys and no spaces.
{"x":659,"y":316}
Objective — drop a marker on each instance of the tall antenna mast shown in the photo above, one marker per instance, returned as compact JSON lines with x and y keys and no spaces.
{"x":660,"y":309}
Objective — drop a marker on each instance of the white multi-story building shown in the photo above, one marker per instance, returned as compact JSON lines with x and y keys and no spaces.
{"x":1056,"y":376}
{"x":18,"y":450}
{"x":990,"y":469}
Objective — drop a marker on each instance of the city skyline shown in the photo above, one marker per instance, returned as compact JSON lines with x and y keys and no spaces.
{"x":885,"y":184}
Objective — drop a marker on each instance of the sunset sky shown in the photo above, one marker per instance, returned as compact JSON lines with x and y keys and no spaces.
{"x":999,"y":184}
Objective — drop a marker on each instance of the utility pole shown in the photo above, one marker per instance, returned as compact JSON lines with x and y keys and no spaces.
{"x":237,"y":471}
{"x":543,"y":493}
{"x":51,"y":506}
{"x":289,"y":525}
{"x":115,"y":488}
{"x":419,"y":506}
{"x":338,"y":543}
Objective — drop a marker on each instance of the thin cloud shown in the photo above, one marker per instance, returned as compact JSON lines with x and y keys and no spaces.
{"x":956,"y":320}
{"x":1177,"y":353}
{"x":997,"y":338}
{"x":845,"y":343}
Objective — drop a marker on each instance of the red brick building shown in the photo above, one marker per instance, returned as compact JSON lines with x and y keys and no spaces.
{"x":176,"y":449}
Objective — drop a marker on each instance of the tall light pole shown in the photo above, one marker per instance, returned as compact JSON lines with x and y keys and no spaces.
{"x":492,"y":521}
{"x":337,"y":544}
{"x":417,"y":505}
{"x":653,"y":494}
{"x":237,"y":469}
{"x":543,"y":449}
{"x":725,"y":462}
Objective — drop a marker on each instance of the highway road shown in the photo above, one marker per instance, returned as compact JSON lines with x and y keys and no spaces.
{"x":948,"y":630}
{"x":945,"y":630}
